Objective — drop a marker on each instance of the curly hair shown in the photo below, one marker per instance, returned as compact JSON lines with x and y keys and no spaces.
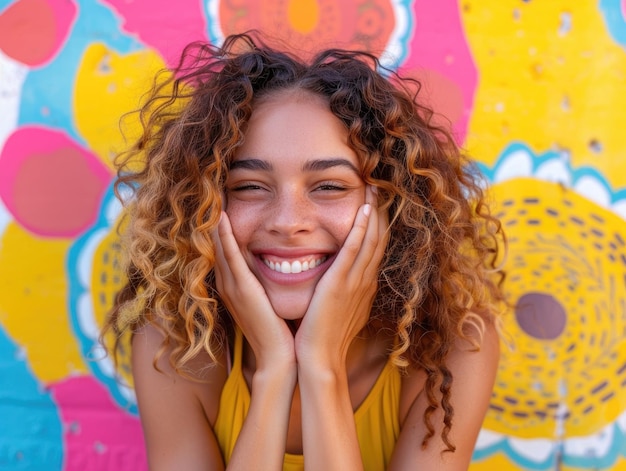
{"x":439,"y":278}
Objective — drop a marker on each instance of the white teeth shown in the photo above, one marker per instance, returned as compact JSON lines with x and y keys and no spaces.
{"x":294,"y":267}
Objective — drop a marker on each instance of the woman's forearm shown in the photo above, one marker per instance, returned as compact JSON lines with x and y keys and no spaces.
{"x":328,"y":429}
{"x":261,"y":443}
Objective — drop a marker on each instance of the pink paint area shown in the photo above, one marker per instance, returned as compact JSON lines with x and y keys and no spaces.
{"x":624,"y":9}
{"x":97,"y":434}
{"x":50,"y":185}
{"x":439,"y":50}
{"x":33,"y":31}
{"x":162,"y":24}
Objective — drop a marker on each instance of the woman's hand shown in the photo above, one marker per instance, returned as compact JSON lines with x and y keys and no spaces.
{"x":246,"y":300}
{"x":338,"y":311}
{"x":343,"y":298}
{"x":274,"y":379}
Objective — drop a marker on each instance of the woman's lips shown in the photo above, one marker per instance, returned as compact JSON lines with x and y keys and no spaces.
{"x":292,"y":269}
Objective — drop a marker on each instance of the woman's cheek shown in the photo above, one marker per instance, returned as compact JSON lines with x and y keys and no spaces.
{"x":341,"y":219}
{"x":240,"y":221}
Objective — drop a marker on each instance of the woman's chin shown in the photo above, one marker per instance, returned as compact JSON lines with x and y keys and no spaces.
{"x":292,"y":314}
{"x":290,"y":307}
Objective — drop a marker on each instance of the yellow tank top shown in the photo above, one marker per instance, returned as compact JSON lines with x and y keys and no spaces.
{"x":377,"y":422}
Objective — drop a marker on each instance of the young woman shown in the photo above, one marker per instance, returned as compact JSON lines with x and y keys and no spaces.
{"x":311,"y":269}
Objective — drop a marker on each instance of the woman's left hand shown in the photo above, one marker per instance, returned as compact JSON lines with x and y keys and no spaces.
{"x":343,"y":297}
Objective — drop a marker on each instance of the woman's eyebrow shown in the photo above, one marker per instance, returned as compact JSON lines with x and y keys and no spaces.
{"x":317,"y":165}
{"x":251,"y":164}
{"x":324,"y":164}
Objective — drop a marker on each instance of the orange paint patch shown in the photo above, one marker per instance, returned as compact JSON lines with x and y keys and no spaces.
{"x":303,"y":15}
{"x":312,"y":25}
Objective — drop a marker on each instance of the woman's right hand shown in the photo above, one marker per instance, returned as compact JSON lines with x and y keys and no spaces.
{"x":268,"y":335}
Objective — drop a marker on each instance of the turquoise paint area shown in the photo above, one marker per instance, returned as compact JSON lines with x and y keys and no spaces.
{"x":31,"y":434}
{"x":559,"y":455}
{"x":574,"y":174}
{"x":615,"y":19}
{"x":4,"y":4}
{"x":617,"y":450}
{"x":47,"y":92}
{"x":549,"y":463}
{"x":89,"y":344}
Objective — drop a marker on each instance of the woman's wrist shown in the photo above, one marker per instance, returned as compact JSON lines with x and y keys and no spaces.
{"x":320,"y":359}
{"x":321,"y":371}
{"x":275,"y":371}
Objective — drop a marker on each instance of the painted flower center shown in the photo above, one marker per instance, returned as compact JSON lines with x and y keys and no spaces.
{"x":303,"y":15}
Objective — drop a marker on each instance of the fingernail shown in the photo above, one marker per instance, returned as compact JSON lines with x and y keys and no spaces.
{"x":374,"y":189}
{"x":367,"y":209}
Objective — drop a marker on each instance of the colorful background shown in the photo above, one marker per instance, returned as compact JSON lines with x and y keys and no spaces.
{"x":536,"y":92}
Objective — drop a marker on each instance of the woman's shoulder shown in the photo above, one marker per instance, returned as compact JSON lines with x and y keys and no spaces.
{"x":473,"y":373}
{"x":477,"y":356}
{"x":201,"y":378}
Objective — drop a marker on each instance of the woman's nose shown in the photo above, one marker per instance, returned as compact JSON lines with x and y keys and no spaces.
{"x":290,"y":214}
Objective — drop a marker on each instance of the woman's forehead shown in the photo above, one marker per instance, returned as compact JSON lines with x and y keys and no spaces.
{"x":293,"y":129}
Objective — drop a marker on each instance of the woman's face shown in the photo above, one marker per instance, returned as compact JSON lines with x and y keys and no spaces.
{"x":293,"y":191}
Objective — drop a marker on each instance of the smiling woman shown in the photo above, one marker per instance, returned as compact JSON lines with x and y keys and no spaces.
{"x":312,"y":274}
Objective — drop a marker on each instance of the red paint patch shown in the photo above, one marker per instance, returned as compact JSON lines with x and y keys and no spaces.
{"x":33,"y":31}
{"x":163,"y":25}
{"x":97,"y":433}
{"x":50,"y":185}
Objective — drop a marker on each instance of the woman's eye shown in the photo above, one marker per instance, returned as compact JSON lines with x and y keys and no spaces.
{"x":330,"y":187}
{"x":248,"y":187}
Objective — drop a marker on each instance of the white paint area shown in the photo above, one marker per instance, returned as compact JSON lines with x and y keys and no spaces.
{"x":539,"y":450}
{"x":519,"y":164}
{"x":12,"y":76}
{"x":5,"y":219}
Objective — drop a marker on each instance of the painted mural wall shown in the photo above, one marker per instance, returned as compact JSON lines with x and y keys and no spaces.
{"x":536,"y":91}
